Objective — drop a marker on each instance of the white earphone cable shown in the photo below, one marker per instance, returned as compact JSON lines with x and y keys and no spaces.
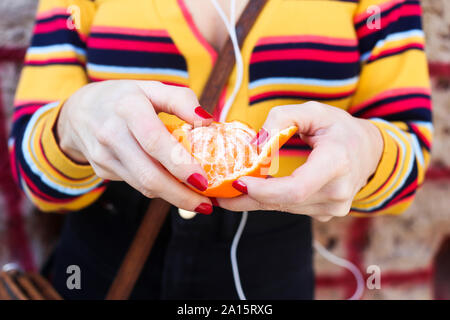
{"x":237,"y":53}
{"x":234,"y":264}
{"x":320,"y":249}
{"x":345,"y":264}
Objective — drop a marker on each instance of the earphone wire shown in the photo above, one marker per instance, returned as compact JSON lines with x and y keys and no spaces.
{"x":237,"y":236}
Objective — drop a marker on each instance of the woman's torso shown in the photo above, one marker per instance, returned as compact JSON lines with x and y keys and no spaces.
{"x":298,"y":50}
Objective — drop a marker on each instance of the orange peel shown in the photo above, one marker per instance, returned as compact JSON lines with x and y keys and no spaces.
{"x":226,"y":152}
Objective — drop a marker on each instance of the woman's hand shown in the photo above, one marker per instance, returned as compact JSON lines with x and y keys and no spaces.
{"x":114,"y":126}
{"x":346,"y":152}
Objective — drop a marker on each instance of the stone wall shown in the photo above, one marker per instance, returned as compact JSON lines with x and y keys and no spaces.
{"x":402,"y":246}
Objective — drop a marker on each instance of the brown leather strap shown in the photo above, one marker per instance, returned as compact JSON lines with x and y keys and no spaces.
{"x":158,"y":209}
{"x":225,"y":62}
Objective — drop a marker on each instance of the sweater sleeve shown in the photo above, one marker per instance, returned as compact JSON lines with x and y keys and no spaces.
{"x":394,"y":94}
{"x":54,"y":69}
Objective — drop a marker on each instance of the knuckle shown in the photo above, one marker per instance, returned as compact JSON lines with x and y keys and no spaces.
{"x":147,"y":193}
{"x":146,"y":181}
{"x":153,"y":142}
{"x":275,"y":113}
{"x":188,"y":94}
{"x":107,"y":133}
{"x":340,"y":193}
{"x":124,"y":103}
{"x":101,"y":173}
{"x":298,"y":196}
{"x":342,"y":160}
{"x":100,"y":156}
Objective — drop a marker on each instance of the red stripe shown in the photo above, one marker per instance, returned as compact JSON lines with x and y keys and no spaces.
{"x":36,"y":192}
{"x":132,"y":45}
{"x":388,"y":94}
{"x":294,"y":94}
{"x":307,"y":38}
{"x":196,"y":32}
{"x":52,"y":12}
{"x":398,"y":106}
{"x":130,"y":31}
{"x":295,"y":141}
{"x":383,"y":8}
{"x":294,"y":153}
{"x":53,"y":61}
{"x":51,"y":26}
{"x":397,"y":163}
{"x":25,"y":111}
{"x":305,"y":54}
{"x":96,"y":79}
{"x":397,"y":50}
{"x":421,"y":136}
{"x":400,"y":197}
{"x":404,"y":11}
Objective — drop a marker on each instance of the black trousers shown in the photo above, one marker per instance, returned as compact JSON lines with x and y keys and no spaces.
{"x":191,"y":258}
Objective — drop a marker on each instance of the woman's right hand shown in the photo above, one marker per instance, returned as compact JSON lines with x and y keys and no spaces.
{"x":113,"y":125}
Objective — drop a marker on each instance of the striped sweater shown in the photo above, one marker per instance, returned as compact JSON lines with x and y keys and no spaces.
{"x":335,"y":52}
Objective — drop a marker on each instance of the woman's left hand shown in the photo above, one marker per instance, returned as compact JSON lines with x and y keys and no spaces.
{"x":345,"y":153}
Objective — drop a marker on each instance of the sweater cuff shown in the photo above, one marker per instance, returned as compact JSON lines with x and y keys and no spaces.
{"x":376,"y":191}
{"x":55,"y":155}
{"x":58,"y":168}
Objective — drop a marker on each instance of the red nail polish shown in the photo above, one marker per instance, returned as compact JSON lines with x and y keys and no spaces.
{"x":202,"y":113}
{"x":240,"y":186}
{"x":214,"y":202}
{"x":261,"y":137}
{"x":198,"y":181}
{"x":204,"y":208}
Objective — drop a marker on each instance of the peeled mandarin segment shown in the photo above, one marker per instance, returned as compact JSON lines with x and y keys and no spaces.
{"x":225,"y":153}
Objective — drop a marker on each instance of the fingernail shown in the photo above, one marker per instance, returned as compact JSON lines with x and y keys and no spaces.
{"x":214,"y":202}
{"x":240,"y":186}
{"x":204,"y":208}
{"x":261,"y":137}
{"x":198,"y":181}
{"x":202,"y":113}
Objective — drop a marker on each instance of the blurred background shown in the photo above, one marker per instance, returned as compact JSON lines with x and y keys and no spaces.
{"x":412,"y":250}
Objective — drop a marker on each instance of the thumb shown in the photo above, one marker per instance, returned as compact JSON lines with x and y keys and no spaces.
{"x":308,"y":117}
{"x":180,"y":101}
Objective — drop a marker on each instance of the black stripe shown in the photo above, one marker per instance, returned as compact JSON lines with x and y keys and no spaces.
{"x":57,"y":37}
{"x":304,"y":69}
{"x":136,"y":59}
{"x":393,"y":54}
{"x":304,"y":45}
{"x":385,"y":101}
{"x":299,"y":97}
{"x":368,"y":42}
{"x":130,"y":37}
{"x":52,"y":18}
{"x":31,"y":64}
{"x":383,"y":14}
{"x":416,"y":114}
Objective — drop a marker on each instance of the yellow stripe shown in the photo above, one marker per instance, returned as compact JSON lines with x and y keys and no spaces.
{"x":136,"y":76}
{"x":77,"y":204}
